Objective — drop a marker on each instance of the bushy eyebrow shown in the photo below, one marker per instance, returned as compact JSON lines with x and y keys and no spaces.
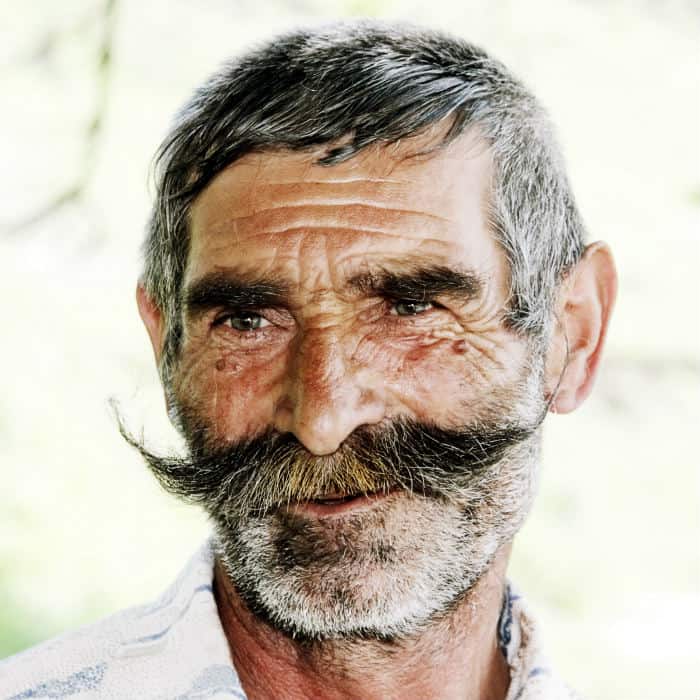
{"x":233,"y":290}
{"x":420,"y":283}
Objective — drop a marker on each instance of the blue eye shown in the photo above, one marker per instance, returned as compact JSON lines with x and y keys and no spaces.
{"x":407,"y":307}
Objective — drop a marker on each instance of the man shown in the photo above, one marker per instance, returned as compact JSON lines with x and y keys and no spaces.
{"x":365,"y":285}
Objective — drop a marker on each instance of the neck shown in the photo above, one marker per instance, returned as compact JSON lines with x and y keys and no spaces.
{"x":456,"y":657}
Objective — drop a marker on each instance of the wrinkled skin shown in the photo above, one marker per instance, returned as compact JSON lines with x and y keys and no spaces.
{"x":335,"y":360}
{"x":329,"y":358}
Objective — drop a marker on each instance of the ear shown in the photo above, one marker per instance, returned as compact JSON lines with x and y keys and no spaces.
{"x":582,"y":312}
{"x":152,"y":318}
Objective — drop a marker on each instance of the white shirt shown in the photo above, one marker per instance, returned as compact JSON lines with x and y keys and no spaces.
{"x":176,"y":649}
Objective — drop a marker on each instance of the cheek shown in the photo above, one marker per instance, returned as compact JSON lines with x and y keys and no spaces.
{"x":442,"y":379}
{"x":233,"y":393}
{"x":446,"y":379}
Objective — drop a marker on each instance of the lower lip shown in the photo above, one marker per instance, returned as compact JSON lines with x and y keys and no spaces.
{"x":321,"y":509}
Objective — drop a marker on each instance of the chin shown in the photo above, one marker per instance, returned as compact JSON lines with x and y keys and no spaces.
{"x":385,"y":573}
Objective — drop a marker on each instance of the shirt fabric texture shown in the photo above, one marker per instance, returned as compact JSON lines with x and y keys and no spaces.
{"x":175,"y":649}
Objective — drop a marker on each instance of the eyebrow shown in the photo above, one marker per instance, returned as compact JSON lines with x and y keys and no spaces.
{"x":420,"y":283}
{"x":224,"y":289}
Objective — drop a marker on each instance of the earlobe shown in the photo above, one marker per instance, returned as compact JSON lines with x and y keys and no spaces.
{"x":152,"y":318}
{"x":584,"y":309}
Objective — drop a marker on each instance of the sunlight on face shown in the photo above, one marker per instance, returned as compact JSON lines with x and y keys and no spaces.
{"x":339,"y":296}
{"x":320,"y":300}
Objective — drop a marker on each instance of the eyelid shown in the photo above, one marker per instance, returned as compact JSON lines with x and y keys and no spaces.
{"x":414,"y":300}
{"x":233,"y":313}
{"x":430,"y":304}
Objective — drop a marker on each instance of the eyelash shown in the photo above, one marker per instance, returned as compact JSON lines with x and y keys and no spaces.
{"x":222,"y":320}
{"x":396,"y":302}
{"x":391,"y":303}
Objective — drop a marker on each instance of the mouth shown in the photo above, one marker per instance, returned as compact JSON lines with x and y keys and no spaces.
{"x":338,"y":504}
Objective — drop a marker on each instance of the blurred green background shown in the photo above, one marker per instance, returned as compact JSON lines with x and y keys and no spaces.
{"x":610,"y":558}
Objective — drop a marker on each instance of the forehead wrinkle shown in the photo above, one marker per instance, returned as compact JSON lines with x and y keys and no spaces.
{"x":361,"y":217}
{"x":391,"y":231}
{"x":338,"y":202}
{"x":259,"y":196}
{"x":295,"y":180}
{"x":366,"y":234}
{"x":346,"y":251}
{"x":260,"y":173}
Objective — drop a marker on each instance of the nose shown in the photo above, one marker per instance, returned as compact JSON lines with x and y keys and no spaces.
{"x":327,"y":395}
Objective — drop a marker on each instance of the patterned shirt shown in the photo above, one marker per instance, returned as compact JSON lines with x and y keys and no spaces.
{"x":175,"y":648}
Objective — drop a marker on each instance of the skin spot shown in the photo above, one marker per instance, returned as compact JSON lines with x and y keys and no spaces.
{"x":333,"y":356}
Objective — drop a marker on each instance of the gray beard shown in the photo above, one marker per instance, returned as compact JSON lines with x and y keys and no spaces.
{"x":386,"y":573}
{"x":453,"y":498}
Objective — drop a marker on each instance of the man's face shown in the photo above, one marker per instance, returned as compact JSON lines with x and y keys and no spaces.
{"x":330,"y":305}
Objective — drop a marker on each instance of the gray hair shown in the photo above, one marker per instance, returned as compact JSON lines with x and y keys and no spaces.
{"x":369,"y":83}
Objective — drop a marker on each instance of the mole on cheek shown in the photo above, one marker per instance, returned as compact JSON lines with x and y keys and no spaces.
{"x":459,"y":347}
{"x":227,"y":365}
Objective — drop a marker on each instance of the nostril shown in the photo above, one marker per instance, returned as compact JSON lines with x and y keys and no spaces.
{"x":325,"y":398}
